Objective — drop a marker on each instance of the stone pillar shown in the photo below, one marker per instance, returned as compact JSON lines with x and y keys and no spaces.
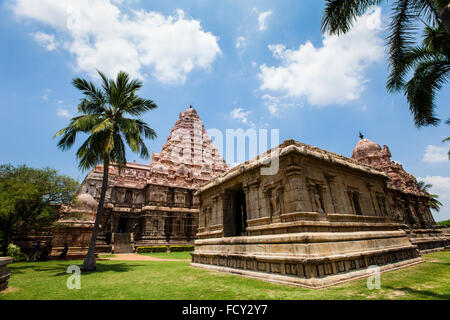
{"x":253,"y":199}
{"x":295,"y":193}
{"x":229,"y":227}
{"x":4,"y":274}
{"x":370,"y":188}
{"x":248,"y":202}
{"x":215,"y":209}
{"x":330,"y":180}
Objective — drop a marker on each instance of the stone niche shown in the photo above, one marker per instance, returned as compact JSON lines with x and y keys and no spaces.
{"x":4,"y":274}
{"x":76,"y":234}
{"x":321,"y":219}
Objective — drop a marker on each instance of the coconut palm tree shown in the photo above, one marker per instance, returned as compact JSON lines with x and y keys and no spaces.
{"x":433,"y":202}
{"x":340,"y":15}
{"x":103,"y":118}
{"x":448,"y":138}
{"x":431,"y":64}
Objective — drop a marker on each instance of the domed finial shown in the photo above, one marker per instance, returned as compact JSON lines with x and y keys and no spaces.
{"x":190,"y":107}
{"x":361,"y":136}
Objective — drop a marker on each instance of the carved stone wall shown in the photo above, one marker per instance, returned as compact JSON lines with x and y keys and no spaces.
{"x":319,"y":220}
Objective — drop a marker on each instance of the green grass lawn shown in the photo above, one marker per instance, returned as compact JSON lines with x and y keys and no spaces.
{"x":176,"y":280}
{"x":169,"y":255}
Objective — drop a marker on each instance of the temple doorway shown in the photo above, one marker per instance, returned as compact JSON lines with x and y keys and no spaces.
{"x":240,"y":213}
{"x":122,"y":226}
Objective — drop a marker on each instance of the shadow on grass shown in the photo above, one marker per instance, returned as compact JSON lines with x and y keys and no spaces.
{"x":430,"y":294}
{"x":61,"y":268}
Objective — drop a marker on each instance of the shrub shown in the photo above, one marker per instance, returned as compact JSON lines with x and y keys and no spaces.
{"x":151,"y":249}
{"x":15,"y":254}
{"x":445,"y":223}
{"x":181,"y":248}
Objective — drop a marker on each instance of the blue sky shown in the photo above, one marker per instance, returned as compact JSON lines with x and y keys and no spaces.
{"x":241,"y":64}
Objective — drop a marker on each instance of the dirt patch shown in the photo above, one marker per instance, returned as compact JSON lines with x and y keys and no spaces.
{"x":395,"y":294}
{"x":137,"y":257}
{"x":10,"y":289}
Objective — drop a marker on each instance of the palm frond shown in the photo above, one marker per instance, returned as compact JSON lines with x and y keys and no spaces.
{"x":421,"y":90}
{"x":89,"y":90}
{"x":427,"y":10}
{"x":106,"y":124}
{"x":136,"y":106}
{"x":340,"y":15}
{"x":400,"y":42}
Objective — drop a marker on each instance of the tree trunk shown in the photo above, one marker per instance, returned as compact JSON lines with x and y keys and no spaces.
{"x":445,"y":16}
{"x":89,"y":262}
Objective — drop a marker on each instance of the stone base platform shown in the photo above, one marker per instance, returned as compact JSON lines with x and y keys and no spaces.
{"x":4,"y":274}
{"x":313,"y":283}
{"x":313,"y":260}
{"x":429,"y":240}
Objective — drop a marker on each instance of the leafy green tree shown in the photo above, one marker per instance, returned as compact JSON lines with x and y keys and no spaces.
{"x":433,"y":202}
{"x":340,"y":15}
{"x":102,"y":118}
{"x":30,"y":199}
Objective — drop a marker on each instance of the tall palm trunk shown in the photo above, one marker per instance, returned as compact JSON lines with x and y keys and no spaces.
{"x":445,"y":16}
{"x":89,"y":262}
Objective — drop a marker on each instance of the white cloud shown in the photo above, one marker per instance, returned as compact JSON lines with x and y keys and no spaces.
{"x":435,"y":154}
{"x":440,"y":186}
{"x":64,"y":113}
{"x":46,"y":94}
{"x":101,"y":36}
{"x":276,"y":104}
{"x":262,"y":20}
{"x":332,"y":73}
{"x":240,"y":114}
{"x":45,"y":40}
{"x":241,"y":42}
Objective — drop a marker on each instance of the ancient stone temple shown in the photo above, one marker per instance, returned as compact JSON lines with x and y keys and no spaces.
{"x":318,"y":220}
{"x":146,"y":204}
{"x":407,"y":202}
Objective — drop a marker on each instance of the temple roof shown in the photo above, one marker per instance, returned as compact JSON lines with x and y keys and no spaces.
{"x":365,"y":148}
{"x":188,"y":159}
{"x":371,"y":154}
{"x":292,"y":146}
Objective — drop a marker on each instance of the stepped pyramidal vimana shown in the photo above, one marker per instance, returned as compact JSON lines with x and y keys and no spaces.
{"x":320,"y":219}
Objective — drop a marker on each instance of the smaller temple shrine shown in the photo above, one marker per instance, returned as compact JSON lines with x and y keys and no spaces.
{"x":320,"y":219}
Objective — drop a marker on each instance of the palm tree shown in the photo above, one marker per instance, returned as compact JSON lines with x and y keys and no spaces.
{"x":444,"y":10}
{"x":433,"y":201}
{"x":340,"y":15}
{"x":448,"y":138}
{"x":103,"y":118}
{"x":431,"y":64}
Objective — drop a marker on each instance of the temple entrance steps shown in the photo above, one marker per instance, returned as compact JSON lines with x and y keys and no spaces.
{"x":122,"y":243}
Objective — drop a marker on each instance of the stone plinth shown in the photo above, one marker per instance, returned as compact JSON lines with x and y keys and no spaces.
{"x":310,"y":259}
{"x":4,"y":274}
{"x":429,"y":240}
